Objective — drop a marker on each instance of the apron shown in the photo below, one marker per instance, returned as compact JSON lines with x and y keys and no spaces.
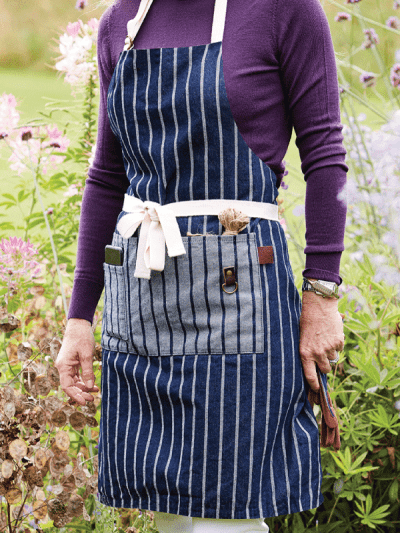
{"x":204,"y":408}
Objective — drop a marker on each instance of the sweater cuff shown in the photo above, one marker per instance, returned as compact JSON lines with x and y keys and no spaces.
{"x":85,"y":297}
{"x":323,"y":266}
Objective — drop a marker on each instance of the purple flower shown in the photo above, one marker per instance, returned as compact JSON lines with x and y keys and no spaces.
{"x":393,"y":22}
{"x":368,"y":79}
{"x":342,"y":16}
{"x":81,"y":4}
{"x":16,"y":255}
{"x":371,"y":38}
{"x":395,"y":75}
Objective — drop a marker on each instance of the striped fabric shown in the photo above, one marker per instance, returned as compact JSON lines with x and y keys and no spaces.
{"x":210,"y":421}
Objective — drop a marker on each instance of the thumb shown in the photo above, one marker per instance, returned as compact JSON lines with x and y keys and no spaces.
{"x":87,"y":368}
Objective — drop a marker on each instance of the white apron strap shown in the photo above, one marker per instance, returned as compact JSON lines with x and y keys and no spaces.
{"x":218,"y":20}
{"x":217,"y":31}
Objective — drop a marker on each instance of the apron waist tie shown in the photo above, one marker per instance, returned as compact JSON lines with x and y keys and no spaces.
{"x":160,"y":228}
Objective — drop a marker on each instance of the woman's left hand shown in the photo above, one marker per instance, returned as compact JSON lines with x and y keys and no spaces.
{"x":321,"y":335}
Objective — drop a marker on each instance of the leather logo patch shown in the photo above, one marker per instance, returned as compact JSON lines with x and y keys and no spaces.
{"x":265,"y":254}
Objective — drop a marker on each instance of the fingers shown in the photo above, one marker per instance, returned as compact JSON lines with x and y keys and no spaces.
{"x":77,"y":352}
{"x":310,"y":372}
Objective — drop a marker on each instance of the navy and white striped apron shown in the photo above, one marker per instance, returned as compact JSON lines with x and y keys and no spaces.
{"x":204,"y":407}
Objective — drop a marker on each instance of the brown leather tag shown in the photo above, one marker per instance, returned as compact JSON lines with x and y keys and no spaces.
{"x":265,"y":254}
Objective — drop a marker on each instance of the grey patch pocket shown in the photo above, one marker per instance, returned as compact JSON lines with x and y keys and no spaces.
{"x":184,"y":310}
{"x":114,"y":302}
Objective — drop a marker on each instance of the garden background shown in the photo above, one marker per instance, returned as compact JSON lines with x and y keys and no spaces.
{"x":48,"y":477}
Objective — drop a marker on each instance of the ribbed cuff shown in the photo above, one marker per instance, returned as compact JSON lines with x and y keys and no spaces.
{"x":84,"y":299}
{"x":323,"y":266}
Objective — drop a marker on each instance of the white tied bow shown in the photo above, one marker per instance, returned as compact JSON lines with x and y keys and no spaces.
{"x":159,"y":228}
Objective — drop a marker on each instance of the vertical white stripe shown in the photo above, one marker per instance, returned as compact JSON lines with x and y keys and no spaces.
{"x":237,"y":422}
{"x":190,"y":132}
{"x":178,"y":170}
{"x":193,"y":434}
{"x":164,"y":179}
{"x":310,"y":461}
{"x":171,"y":361}
{"x":128,"y":386}
{"x":116,"y":424}
{"x":221,"y":434}
{"x":138,"y":143}
{"x":161,"y":436}
{"x":294,"y":356}
{"x":250,"y":180}
{"x":236,"y":163}
{"x":253,"y":409}
{"x":220,"y":133}
{"x":151,"y":427}
{"x":122,"y":78}
{"x":263,"y":181}
{"x":203,"y":495}
{"x":137,"y":432}
{"x":203,"y":117}
{"x":282,"y":356}
{"x":183,"y":432}
{"x":150,"y":127}
{"x":296,"y":445}
{"x":108,"y":435}
{"x":269,"y":355}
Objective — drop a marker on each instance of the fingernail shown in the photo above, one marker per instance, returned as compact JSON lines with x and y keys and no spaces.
{"x":89,"y":383}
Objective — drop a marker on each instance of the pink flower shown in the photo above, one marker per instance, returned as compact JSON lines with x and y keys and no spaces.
{"x":9,"y":116}
{"x":342,"y":16}
{"x":72,"y":190}
{"x":81,"y":4}
{"x":283,"y":224}
{"x":395,"y":75}
{"x":368,"y":79}
{"x":396,"y":5}
{"x":16,"y":257}
{"x":73,"y":28}
{"x":393,"y":22}
{"x":28,"y":150}
{"x":93,"y":24}
{"x":371,"y":38}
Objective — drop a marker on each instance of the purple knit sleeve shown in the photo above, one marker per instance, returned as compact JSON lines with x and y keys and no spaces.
{"x":309,"y":77}
{"x":102,"y":198}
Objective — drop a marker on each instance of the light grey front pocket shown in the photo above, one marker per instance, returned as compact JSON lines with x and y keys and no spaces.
{"x":115,"y":301}
{"x":184,"y":309}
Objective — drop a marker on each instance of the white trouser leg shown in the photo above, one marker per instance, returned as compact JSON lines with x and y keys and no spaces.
{"x":172,"y":523}
{"x":221,"y":525}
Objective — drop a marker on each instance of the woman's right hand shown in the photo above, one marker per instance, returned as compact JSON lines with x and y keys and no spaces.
{"x":77,"y":351}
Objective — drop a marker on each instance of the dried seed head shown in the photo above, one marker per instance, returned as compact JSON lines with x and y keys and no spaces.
{"x":17,"y":449}
{"x":59,"y":418}
{"x":77,"y":420}
{"x":7,"y":468}
{"x":39,"y":509}
{"x":14,"y":495}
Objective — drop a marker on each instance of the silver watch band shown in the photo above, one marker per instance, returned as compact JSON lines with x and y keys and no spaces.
{"x":321,"y":287}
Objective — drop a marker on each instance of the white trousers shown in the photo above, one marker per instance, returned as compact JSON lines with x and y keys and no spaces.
{"x":172,"y":523}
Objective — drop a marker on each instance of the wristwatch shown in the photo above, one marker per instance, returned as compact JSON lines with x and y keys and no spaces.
{"x":321,"y":287}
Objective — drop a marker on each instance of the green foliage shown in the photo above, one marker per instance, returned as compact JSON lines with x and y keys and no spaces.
{"x":360,"y":482}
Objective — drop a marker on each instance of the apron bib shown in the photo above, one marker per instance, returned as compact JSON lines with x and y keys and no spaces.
{"x":204,"y":403}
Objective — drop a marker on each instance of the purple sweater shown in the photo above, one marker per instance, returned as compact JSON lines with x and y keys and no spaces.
{"x":280,"y":73}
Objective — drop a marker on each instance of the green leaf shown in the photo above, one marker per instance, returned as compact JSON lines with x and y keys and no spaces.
{"x":9,"y":196}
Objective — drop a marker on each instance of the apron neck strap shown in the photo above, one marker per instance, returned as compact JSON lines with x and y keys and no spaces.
{"x":218,"y":20}
{"x":217,"y":31}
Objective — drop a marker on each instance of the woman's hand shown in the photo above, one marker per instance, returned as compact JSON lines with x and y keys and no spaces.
{"x":77,"y":351}
{"x":321,"y":335}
